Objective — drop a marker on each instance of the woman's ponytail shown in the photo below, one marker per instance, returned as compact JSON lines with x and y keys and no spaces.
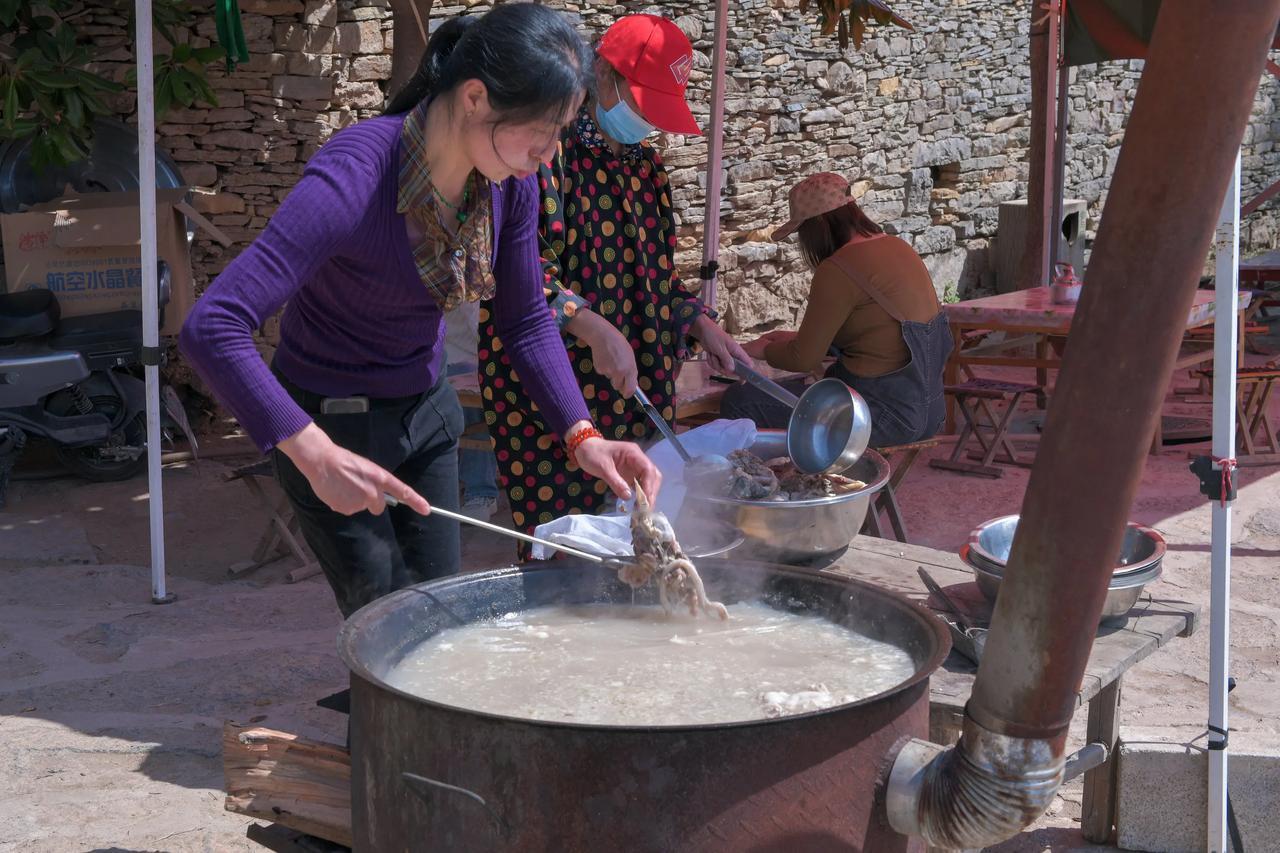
{"x":534,"y":65}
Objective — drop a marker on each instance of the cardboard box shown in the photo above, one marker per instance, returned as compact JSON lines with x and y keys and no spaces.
{"x":85,"y":248}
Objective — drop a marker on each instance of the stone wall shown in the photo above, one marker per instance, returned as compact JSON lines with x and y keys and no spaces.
{"x":932,"y":126}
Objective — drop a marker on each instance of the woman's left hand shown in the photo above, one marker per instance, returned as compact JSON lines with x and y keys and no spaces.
{"x":721,"y":348}
{"x":619,"y":464}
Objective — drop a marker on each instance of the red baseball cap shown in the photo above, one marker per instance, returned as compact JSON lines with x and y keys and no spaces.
{"x":655,"y":58}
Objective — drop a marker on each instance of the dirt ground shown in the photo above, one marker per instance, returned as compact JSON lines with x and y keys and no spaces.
{"x":111,"y":708}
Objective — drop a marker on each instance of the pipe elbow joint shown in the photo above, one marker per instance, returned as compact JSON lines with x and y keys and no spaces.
{"x":985,"y":789}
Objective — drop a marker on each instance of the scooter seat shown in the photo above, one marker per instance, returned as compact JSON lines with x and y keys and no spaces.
{"x":28,"y":314}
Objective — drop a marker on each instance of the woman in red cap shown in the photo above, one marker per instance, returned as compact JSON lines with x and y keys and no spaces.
{"x":608,"y":246}
{"x":872,"y":301}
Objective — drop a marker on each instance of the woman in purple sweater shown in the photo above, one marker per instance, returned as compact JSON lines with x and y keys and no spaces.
{"x":396,"y":220}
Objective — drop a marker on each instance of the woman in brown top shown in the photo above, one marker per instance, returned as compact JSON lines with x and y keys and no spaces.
{"x":872,"y":302}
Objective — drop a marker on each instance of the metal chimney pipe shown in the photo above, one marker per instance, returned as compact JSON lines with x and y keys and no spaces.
{"x":1188,"y":118}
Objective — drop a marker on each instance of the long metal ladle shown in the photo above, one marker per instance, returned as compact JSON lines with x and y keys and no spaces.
{"x":614,"y":563}
{"x":765,"y":384}
{"x":708,"y":473}
{"x":830,"y":424}
{"x":661,"y":423}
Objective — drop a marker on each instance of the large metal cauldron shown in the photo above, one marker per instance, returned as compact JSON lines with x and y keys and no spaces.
{"x":805,"y":532}
{"x":427,"y":776}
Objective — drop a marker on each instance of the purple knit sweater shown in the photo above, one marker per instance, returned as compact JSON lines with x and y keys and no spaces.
{"x":358,"y":320}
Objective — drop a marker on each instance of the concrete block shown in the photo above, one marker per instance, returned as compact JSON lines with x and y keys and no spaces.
{"x":1162,"y":796}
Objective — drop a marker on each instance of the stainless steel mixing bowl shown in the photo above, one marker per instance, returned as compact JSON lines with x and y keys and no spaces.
{"x":1139,"y":563}
{"x":793,"y":532}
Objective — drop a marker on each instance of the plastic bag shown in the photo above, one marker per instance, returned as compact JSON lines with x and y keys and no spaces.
{"x":610,"y":534}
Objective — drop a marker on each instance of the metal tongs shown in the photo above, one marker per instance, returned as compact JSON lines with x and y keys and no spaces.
{"x":968,"y":640}
{"x":613,"y":562}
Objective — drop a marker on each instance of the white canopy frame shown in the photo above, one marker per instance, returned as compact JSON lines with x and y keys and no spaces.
{"x":1225,"y":342}
{"x":150,"y":288}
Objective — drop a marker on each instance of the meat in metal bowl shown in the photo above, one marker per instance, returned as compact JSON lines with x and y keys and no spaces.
{"x":812,"y":531}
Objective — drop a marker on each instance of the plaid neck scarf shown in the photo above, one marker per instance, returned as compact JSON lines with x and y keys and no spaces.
{"x":453,"y":267}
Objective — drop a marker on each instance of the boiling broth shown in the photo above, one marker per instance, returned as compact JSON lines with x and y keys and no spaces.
{"x":636,"y":666}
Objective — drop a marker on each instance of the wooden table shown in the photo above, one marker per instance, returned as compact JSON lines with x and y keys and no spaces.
{"x":699,"y":396}
{"x":1261,"y":272}
{"x":1152,"y":624}
{"x":1261,"y":269}
{"x":1031,"y":317}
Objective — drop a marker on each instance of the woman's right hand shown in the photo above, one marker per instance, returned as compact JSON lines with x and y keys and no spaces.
{"x":756,"y":348}
{"x":346,"y":482}
{"x":611,"y":352}
{"x":618,"y":463}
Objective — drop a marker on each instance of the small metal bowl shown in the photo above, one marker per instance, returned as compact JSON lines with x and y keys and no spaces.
{"x":1139,"y":563}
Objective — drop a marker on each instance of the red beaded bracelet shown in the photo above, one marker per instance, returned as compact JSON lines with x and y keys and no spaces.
{"x":579,"y":438}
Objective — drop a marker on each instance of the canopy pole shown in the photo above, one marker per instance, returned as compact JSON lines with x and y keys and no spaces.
{"x":715,"y":161}
{"x":1225,"y":343}
{"x":1034,"y":264}
{"x":1052,"y":189}
{"x":150,"y":308}
{"x":1059,"y":171}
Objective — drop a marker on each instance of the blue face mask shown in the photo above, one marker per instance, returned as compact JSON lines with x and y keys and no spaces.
{"x":621,"y":122}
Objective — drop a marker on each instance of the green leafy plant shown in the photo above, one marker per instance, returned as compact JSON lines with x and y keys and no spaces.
{"x":848,"y":18}
{"x":48,"y":93}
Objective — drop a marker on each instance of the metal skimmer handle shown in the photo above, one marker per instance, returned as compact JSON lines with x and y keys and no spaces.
{"x":610,"y":562}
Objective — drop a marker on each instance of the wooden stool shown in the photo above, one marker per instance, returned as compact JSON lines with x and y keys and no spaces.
{"x":887,"y":500}
{"x":975,"y":399}
{"x":1256,"y":434}
{"x":281,"y":537}
{"x":1256,"y":321}
{"x":1204,"y":335}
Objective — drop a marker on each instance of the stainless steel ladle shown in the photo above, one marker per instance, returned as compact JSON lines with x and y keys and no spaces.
{"x":830,"y":424}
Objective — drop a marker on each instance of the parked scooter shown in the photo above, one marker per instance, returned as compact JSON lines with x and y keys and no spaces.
{"x":76,"y":382}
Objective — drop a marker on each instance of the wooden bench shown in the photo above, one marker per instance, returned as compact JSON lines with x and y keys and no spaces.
{"x":901,"y":457}
{"x":1153,"y":623}
{"x":989,"y":427}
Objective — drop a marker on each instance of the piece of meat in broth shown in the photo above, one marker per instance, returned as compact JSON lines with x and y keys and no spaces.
{"x":658,"y":553}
